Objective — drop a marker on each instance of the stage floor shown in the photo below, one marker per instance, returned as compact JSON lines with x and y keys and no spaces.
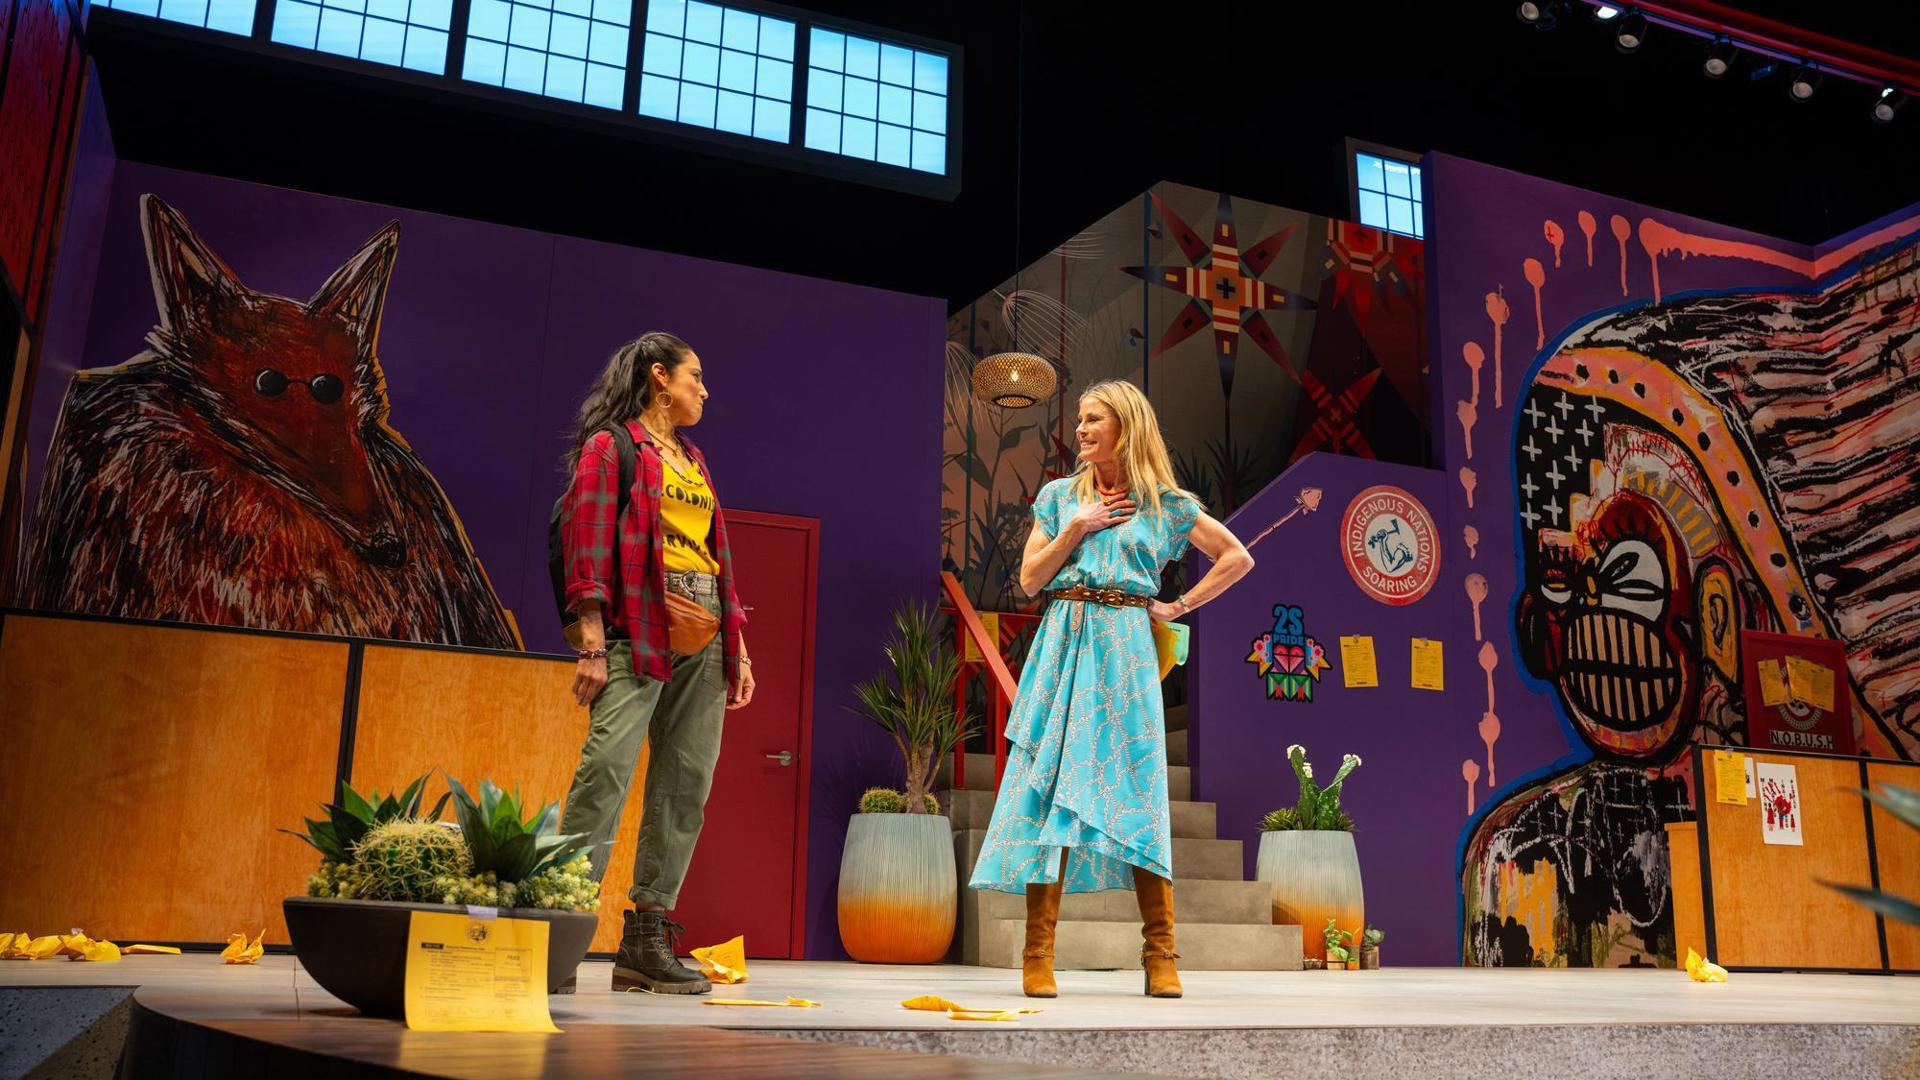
{"x":1417,"y":1021}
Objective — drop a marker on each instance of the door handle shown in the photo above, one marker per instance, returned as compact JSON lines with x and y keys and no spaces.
{"x":784,"y":757}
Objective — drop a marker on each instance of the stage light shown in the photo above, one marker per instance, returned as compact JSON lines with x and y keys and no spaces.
{"x":1803,"y":82}
{"x":1632,"y":32}
{"x":1888,"y":105}
{"x":1720,"y":57}
{"x":1603,"y":12}
{"x":1540,"y":14}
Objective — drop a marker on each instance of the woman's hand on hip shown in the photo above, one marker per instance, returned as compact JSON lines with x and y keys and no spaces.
{"x":1163,"y":611}
{"x":589,"y":678}
{"x":740,"y":687}
{"x":1099,"y":516}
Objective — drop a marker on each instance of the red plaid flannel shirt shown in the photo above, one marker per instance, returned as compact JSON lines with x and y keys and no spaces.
{"x":594,"y":540}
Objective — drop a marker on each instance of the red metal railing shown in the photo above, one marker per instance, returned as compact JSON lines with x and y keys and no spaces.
{"x":1000,"y":683}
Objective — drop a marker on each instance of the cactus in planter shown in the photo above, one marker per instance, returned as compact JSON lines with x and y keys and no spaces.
{"x":881,"y":800}
{"x":1318,"y":807}
{"x":502,"y":843}
{"x":408,"y":860}
{"x":351,"y":816}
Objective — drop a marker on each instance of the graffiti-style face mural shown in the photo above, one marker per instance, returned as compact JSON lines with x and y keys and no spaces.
{"x":242,"y":471}
{"x":1686,"y":471}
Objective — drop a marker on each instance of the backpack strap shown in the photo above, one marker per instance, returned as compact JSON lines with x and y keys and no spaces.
{"x":628,"y":452}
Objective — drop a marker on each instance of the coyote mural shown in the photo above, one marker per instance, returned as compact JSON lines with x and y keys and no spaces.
{"x":242,"y":471}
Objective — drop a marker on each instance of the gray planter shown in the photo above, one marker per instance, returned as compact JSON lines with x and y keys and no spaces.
{"x":1315,"y":876}
{"x":357,"y":949}
{"x":899,"y":888}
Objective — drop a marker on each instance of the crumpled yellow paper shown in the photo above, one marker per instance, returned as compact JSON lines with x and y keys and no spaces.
{"x":24,"y":948}
{"x":1700,"y":969}
{"x":792,"y":1002}
{"x":240,"y":951}
{"x":725,"y":963}
{"x":957,"y":1011}
{"x":159,"y":950}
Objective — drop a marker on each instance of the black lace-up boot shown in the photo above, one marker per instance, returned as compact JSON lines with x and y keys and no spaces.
{"x":646,"y":960}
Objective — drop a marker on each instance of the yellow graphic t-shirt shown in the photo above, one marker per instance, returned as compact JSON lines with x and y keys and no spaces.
{"x":686,"y":519}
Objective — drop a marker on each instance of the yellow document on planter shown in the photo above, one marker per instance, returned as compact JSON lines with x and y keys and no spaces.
{"x":469,"y":972}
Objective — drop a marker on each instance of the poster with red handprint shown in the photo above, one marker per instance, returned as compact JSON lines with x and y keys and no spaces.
{"x":1779,"y":804}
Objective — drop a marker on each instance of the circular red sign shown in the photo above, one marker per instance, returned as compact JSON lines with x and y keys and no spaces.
{"x":1388,"y":542}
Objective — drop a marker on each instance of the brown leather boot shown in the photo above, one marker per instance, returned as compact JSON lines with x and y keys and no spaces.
{"x":1155,"y":894}
{"x":1036,"y":964}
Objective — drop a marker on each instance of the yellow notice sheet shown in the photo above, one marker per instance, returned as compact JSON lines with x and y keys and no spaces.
{"x":1810,"y":683}
{"x":471,"y":972}
{"x":1773,"y":683}
{"x":1730,"y":777}
{"x":1356,"y":661}
{"x":1429,"y":672}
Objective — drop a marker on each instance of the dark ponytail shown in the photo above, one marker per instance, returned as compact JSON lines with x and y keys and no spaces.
{"x":624,"y":388}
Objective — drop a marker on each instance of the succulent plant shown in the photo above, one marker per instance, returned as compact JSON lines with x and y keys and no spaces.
{"x":349,"y":819}
{"x":881,"y":800}
{"x":1319,"y":807}
{"x":500,"y":842}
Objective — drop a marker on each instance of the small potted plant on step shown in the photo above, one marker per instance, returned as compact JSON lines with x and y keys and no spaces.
{"x":1370,"y":948}
{"x":899,"y":887}
{"x":1308,"y":857}
{"x":380,"y":861}
{"x":1341,"y":955}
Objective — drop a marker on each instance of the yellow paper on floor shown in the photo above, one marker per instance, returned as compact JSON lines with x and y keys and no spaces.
{"x":790,"y":1003}
{"x":1700,"y":969}
{"x":1001,"y":1015}
{"x":157,"y":950}
{"x":240,"y":951}
{"x":74,"y":945}
{"x":936,"y":1003}
{"x":725,"y":963}
{"x":99,"y":952}
{"x":468,"y":971}
{"x":39,"y":948}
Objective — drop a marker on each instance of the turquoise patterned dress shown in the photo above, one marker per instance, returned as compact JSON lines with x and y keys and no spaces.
{"x":1086,"y":741}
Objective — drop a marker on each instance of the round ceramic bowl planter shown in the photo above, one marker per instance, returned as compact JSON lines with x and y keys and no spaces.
{"x":1315,"y":875}
{"x":357,"y":949}
{"x":899,"y":888}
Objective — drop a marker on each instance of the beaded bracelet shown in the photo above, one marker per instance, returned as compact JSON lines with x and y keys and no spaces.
{"x":593,"y":654}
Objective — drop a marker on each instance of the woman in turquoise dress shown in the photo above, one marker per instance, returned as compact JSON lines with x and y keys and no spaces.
{"x":1083,"y":804}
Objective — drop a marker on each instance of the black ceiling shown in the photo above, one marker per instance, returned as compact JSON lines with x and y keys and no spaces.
{"x":1224,"y":96}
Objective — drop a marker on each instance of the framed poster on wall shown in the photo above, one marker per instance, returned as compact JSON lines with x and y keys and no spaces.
{"x":1798,"y":697}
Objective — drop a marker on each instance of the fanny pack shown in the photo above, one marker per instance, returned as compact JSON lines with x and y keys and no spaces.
{"x":690,"y":626}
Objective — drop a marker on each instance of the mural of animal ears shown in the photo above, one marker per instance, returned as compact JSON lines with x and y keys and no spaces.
{"x":357,"y":291}
{"x":187,"y":276}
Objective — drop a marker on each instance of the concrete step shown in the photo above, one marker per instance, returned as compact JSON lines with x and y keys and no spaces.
{"x":1177,"y":747}
{"x":1214,"y":860}
{"x":974,"y":810}
{"x":979,"y":776}
{"x":1116,"y":945}
{"x":1198,"y":900}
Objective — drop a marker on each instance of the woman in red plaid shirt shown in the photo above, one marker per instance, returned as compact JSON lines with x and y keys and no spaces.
{"x":621,"y":563}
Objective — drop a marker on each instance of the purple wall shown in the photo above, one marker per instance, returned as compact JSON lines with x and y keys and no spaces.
{"x":826,"y":403}
{"x":1407,"y":798}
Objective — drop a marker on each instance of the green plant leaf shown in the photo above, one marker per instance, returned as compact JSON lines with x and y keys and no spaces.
{"x":1893,"y":907}
{"x":1901,"y":802}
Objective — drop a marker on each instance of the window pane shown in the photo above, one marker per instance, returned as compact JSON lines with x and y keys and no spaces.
{"x":1367,"y":173}
{"x":667,"y":16}
{"x":296,"y":24}
{"x":1397,"y":180}
{"x":703,"y":23}
{"x":896,"y":147}
{"x":771,"y":119}
{"x":526,"y":70}
{"x":862,"y":97}
{"x":700,"y":63}
{"x":437,"y":14}
{"x":863,"y":57}
{"x":823,"y":130}
{"x":740,"y":30}
{"x":662,"y":56}
{"x":896,"y":105}
{"x":827,"y":49}
{"x":1400,"y":215}
{"x":930,"y":72}
{"x":605,"y":85}
{"x":486,"y":62}
{"x":775,"y":79}
{"x":1373,"y":209}
{"x":929,"y":153}
{"x":930,"y":113}
{"x":736,"y":71}
{"x":608,"y":45}
{"x":383,"y":41}
{"x":776,"y":39}
{"x":530,"y":26}
{"x":426,"y":51}
{"x":340,"y":32}
{"x":857,"y":138}
{"x":489,"y":19}
{"x":696,"y":104}
{"x":659,"y":97}
{"x":568,"y":36}
{"x":735,"y":113}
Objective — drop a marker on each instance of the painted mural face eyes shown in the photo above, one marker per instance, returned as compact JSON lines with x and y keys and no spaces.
{"x":326,"y":389}
{"x":1631,"y":579}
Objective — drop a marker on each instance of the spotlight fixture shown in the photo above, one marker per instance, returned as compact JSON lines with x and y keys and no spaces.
{"x":1540,"y":14}
{"x":1720,"y":57}
{"x":1888,"y":105}
{"x":1803,"y":82}
{"x":1603,"y":12}
{"x":1631,"y":33}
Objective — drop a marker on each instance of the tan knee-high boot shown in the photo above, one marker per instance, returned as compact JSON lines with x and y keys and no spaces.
{"x":1156,"y":930}
{"x":1036,"y":964}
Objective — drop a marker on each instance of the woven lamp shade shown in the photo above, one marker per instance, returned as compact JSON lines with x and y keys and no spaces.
{"x":1014,"y":380}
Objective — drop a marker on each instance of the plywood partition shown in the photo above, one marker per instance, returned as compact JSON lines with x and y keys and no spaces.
{"x":147,"y":769}
{"x":509,"y":719}
{"x":1689,"y":917}
{"x":1897,"y":850}
{"x":1767,"y":906}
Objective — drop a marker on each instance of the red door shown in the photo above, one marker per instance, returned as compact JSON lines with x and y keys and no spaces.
{"x":749,"y":871}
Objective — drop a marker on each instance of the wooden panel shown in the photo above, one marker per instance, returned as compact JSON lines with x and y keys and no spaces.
{"x":508,"y":719}
{"x":1769,"y":907}
{"x":1897,"y":846}
{"x":148,"y":768}
{"x":1689,"y":916}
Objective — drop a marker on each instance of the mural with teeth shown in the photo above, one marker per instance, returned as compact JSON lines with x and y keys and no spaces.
{"x":1685,"y":470}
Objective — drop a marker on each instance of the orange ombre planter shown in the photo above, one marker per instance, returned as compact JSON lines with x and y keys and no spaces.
{"x":899,"y":888}
{"x":1315,"y":876}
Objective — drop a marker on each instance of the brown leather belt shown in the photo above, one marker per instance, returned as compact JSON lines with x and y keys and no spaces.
{"x":1108,"y":597}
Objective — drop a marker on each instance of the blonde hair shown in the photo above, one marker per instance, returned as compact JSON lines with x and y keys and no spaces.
{"x":1140,"y":450}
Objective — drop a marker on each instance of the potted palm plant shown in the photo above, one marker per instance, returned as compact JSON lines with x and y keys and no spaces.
{"x":1307,"y":854}
{"x":898,"y":883}
{"x":381,"y":860}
